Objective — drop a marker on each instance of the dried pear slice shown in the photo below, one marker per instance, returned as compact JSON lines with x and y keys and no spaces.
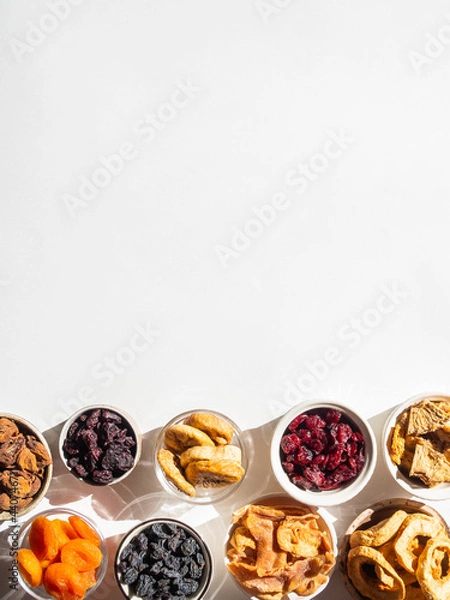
{"x":218,"y":430}
{"x":433,"y":571}
{"x":167,"y":462}
{"x":228,"y":452}
{"x":213,"y":473}
{"x":409,"y":541}
{"x":180,"y":437}
{"x":373,"y":576}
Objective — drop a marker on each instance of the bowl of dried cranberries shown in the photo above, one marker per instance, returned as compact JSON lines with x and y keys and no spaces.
{"x":163,"y":558}
{"x":323,"y":453}
{"x":100,"y":444}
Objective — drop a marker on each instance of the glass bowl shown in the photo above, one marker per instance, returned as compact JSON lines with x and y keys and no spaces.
{"x":61,"y":513}
{"x":166,"y":546}
{"x":294,"y":482}
{"x":227,"y":450}
{"x":25,"y":429}
{"x":104,"y":453}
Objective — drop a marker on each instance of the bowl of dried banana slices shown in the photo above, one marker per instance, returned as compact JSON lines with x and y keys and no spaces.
{"x":200,"y":456}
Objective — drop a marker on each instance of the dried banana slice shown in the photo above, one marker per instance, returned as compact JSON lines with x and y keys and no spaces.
{"x":168,"y":463}
{"x":218,"y":430}
{"x":180,"y":437}
{"x":373,"y":576}
{"x":228,"y":452}
{"x":380,"y":533}
{"x":433,"y":569}
{"x":213,"y":473}
{"x":410,"y":540}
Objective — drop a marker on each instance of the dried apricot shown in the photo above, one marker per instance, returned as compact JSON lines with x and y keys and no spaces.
{"x":84,"y":530}
{"x":67,"y":528}
{"x":64,"y":582}
{"x":29,"y":566}
{"x":89,"y":578}
{"x":82,"y":554}
{"x":43,"y":539}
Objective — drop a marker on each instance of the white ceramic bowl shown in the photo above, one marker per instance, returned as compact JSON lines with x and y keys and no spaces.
{"x":127,"y":422}
{"x":412,"y":486}
{"x":283,"y":501}
{"x":324,"y":497}
{"x":203,"y":495}
{"x":370,"y":517}
{"x":206,"y":575}
{"x":27,"y":428}
{"x":61,"y":513}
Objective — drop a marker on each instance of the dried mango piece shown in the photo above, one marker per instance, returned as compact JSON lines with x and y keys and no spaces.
{"x":82,"y":554}
{"x":84,"y":530}
{"x":29,"y":566}
{"x":64,"y":582}
{"x":43,"y":539}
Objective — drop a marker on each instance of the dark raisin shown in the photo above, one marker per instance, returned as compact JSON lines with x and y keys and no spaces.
{"x":102,"y":476}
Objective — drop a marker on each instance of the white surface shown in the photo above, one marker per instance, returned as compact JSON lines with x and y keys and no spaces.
{"x":344,"y":293}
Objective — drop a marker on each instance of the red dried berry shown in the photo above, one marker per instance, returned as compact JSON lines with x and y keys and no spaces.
{"x":290,"y":443}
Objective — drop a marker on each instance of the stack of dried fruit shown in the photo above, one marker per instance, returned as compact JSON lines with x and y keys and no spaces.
{"x":275,"y":549}
{"x":100,"y":446}
{"x":198,"y":452}
{"x":164,"y":560}
{"x":403,"y":556}
{"x":23,"y":465}
{"x":322,"y":450}
{"x":419,"y":442}
{"x":63,"y":556}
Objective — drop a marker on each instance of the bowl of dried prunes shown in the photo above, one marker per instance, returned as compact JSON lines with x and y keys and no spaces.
{"x":163,"y":558}
{"x":100,"y":444}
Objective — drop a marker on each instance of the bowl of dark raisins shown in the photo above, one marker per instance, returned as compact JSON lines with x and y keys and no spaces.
{"x":163,"y":558}
{"x":100,"y":445}
{"x":323,"y":453}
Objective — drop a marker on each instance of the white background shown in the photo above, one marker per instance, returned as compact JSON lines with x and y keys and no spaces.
{"x":238,"y":312}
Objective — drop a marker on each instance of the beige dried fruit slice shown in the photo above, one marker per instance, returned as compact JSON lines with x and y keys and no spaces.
{"x":373,"y":576}
{"x":380,"y":533}
{"x":414,"y":532}
{"x":180,"y":437}
{"x":168,"y":463}
{"x":213,"y":473}
{"x":432,"y":569}
{"x":227,"y":452}
{"x":218,"y":430}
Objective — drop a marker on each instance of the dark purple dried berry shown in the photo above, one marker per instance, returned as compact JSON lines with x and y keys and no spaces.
{"x":102,"y":476}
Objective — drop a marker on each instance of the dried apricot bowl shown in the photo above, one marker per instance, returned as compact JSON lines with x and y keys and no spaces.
{"x":396,"y":548}
{"x":61,"y":554}
{"x":323,"y":453}
{"x":100,"y":445}
{"x":26,"y":466}
{"x":163,"y":558}
{"x":200,"y":456}
{"x":416,"y":446}
{"x":280,"y":547}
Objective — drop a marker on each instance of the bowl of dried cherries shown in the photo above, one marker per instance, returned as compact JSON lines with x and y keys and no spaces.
{"x":163,"y":558}
{"x":323,"y":453}
{"x":100,"y":444}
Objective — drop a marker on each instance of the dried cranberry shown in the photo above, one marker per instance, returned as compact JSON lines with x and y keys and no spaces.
{"x":316,"y":445}
{"x":314,"y":475}
{"x":315,"y":422}
{"x":289,"y":443}
{"x":333,"y":416}
{"x":304,"y":456}
{"x":344,"y":432}
{"x":302,"y":482}
{"x":294,"y":424}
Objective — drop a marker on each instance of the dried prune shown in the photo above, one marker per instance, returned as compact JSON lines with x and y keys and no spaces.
{"x":322,"y":450}
{"x":103,"y":442}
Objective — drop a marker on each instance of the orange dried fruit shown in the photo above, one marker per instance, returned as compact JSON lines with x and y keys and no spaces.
{"x":30,"y":567}
{"x":64,"y":582}
{"x":84,"y":530}
{"x":89,"y":578}
{"x":43,"y":539}
{"x":67,"y":528}
{"x":82,"y":554}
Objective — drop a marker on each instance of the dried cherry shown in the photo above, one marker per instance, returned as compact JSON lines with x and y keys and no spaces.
{"x":322,"y":450}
